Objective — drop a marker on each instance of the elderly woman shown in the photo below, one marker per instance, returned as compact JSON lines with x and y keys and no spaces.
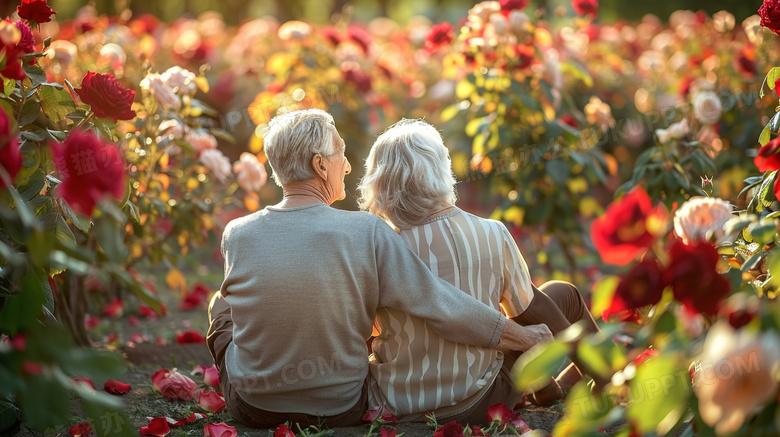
{"x":409,"y":183}
{"x":302,"y":285}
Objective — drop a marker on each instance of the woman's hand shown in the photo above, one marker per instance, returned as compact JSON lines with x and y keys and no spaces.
{"x":521,"y":338}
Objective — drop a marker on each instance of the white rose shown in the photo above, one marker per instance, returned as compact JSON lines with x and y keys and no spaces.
{"x":113,"y":55}
{"x":663,"y":135}
{"x":161,"y":92}
{"x":702,"y":219}
{"x":707,"y":107}
{"x":736,"y":376}
{"x":184,"y":80}
{"x":500,"y":24}
{"x":518,"y":21}
{"x":217,"y":163}
{"x":679,"y":130}
{"x":250,"y":173}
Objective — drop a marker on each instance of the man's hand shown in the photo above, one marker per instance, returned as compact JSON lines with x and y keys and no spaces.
{"x":521,"y":338}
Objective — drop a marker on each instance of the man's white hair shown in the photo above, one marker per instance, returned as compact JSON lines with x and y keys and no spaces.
{"x":292,"y":139}
{"x":408,"y":174}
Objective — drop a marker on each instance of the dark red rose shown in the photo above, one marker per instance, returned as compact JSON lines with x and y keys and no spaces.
{"x":746,"y":60}
{"x":83,"y":429}
{"x":359,"y":36}
{"x":90,"y":168}
{"x":116,"y":388}
{"x":439,"y":36}
{"x":387,"y":431}
{"x":694,"y":279}
{"x":191,"y":301}
{"x":113,"y":309}
{"x":628,"y":228}
{"x":35,"y":10}
{"x":569,"y":120}
{"x":331,"y":35}
{"x":476,"y":431}
{"x":585,"y":7}
{"x":106,"y":96}
{"x":450,"y":429}
{"x":770,"y":15}
{"x":508,"y":5}
{"x":190,"y":336}
{"x":10,"y":157}
{"x":643,"y":285}
{"x":361,"y":80}
{"x":740,"y":309}
{"x":27,"y":42}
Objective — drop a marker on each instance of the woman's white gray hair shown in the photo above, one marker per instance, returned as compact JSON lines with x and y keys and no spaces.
{"x":292,"y":139}
{"x":408,"y":174}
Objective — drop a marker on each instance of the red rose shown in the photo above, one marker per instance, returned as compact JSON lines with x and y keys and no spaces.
{"x":694,"y":279}
{"x":219,"y":430}
{"x":508,"y":5}
{"x":35,"y":10}
{"x":27,"y":42}
{"x":476,"y":431}
{"x":585,"y":7}
{"x":768,"y":158}
{"x":770,"y":15}
{"x":116,"y":388}
{"x":628,"y":228}
{"x":525,"y":55}
{"x":283,"y":431}
{"x":643,"y":285}
{"x":83,"y":429}
{"x":190,"y":302}
{"x":361,"y":80}
{"x":90,"y":168}
{"x":10,"y":157}
{"x":106,"y":96}
{"x":211,"y":401}
{"x":174,"y":385}
{"x":359,"y":36}
{"x":439,"y":36}
{"x":157,"y":427}
{"x":331,"y":35}
{"x":190,"y":336}
{"x":499,"y":412}
{"x":450,"y":429}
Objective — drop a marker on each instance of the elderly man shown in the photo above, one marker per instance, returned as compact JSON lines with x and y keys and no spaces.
{"x":302,"y":285}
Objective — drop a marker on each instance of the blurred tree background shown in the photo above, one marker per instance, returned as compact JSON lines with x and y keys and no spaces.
{"x":236,"y":11}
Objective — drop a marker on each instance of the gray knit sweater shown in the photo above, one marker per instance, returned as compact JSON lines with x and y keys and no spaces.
{"x":304,"y":284}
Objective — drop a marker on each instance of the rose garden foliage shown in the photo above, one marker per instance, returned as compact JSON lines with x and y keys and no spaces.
{"x":112,"y":132}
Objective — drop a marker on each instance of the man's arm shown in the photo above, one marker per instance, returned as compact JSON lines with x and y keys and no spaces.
{"x":407,"y":284}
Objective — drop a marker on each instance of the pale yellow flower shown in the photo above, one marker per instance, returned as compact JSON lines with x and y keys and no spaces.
{"x":702,"y":219}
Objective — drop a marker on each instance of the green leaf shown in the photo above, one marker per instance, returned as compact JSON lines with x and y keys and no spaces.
{"x":110,"y":238}
{"x":133,"y":210}
{"x":578,"y":71}
{"x":56,"y":103}
{"x":534,"y":368}
{"x":45,"y":404}
{"x":21,"y":309}
{"x":35,"y":73}
{"x":772,"y":77}
{"x":30,"y":112}
{"x":8,"y":86}
{"x":82,"y":223}
{"x":762,"y":231}
{"x":94,"y":363}
{"x":585,"y":413}
{"x":658,"y":396}
{"x":449,"y":113}
{"x":766,"y":135}
{"x":601,"y":355}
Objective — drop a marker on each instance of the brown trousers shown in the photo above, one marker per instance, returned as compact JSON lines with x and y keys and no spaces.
{"x":220,"y":335}
{"x":557,"y":304}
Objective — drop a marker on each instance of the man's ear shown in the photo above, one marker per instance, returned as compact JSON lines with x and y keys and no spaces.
{"x":318,"y":165}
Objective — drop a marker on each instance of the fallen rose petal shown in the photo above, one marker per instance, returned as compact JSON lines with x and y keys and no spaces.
{"x":116,"y":388}
{"x":390,"y":432}
{"x":189,"y":419}
{"x":190,"y":336}
{"x":157,"y":427}
{"x":219,"y":430}
{"x":386,"y":416}
{"x":211,"y":401}
{"x":83,"y":429}
{"x":85,"y":381}
{"x":499,"y":412}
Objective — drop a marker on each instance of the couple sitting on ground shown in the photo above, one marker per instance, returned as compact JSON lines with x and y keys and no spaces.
{"x":448,"y":294}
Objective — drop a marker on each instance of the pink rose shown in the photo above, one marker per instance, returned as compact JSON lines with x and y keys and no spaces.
{"x":250,"y":173}
{"x":219,"y":430}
